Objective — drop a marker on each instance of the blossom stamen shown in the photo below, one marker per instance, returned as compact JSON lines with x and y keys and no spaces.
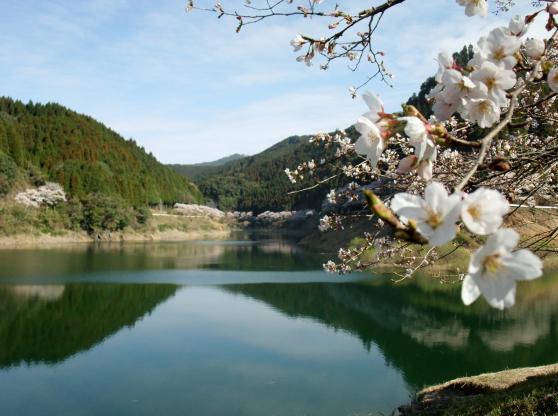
{"x":475,"y":211}
{"x":492,"y":264}
{"x":434,"y":219}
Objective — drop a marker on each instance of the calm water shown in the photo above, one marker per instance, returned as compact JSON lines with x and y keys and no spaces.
{"x":240,"y":328}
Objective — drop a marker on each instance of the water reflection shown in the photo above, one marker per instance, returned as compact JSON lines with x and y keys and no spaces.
{"x":424,"y":332}
{"x":264,"y":255}
{"x":48,"y":324}
{"x":258,"y":325}
{"x":46,"y":292}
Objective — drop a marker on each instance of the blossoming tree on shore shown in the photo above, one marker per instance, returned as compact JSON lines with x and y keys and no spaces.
{"x":490,"y":142}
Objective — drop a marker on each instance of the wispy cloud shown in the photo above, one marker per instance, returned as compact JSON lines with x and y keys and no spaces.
{"x":247,"y":129}
{"x":189,"y":89}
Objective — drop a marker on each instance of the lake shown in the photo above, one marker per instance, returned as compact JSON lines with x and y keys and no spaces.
{"x":241,"y":328}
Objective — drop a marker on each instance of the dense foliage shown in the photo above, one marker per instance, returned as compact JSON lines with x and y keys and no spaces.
{"x":8,"y":173}
{"x":257,"y":183}
{"x":52,"y":142}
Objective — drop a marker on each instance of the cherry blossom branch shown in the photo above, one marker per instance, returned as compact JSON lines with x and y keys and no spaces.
{"x":316,"y":185}
{"x":487,"y":140}
{"x":330,"y":47}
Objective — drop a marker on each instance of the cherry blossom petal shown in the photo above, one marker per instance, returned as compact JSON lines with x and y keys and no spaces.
{"x":435,"y":195}
{"x":524,"y":265}
{"x":408,"y":206}
{"x":499,"y":292}
{"x":407,"y":164}
{"x":470,"y":292}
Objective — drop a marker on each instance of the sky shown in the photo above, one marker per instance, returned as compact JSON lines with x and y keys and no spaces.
{"x":189,"y":89}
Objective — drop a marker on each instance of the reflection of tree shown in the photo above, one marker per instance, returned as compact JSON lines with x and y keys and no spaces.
{"x":249,"y":256}
{"x":35,"y":329}
{"x":417,"y":333}
{"x":43,"y":292}
{"x":266,"y":257}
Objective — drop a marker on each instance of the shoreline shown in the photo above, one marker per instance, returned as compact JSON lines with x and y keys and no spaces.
{"x":33,"y":241}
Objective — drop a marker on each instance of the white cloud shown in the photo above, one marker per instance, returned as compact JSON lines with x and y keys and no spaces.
{"x":248,"y":129}
{"x":190,"y":89}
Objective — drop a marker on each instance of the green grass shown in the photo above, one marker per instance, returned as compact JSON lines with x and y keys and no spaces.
{"x":530,"y":391}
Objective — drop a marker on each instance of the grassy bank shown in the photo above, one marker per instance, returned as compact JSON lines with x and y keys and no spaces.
{"x":524,"y":391}
{"x":27,"y":227}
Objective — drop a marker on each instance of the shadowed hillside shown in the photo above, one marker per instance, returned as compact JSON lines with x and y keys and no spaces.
{"x":38,"y":327}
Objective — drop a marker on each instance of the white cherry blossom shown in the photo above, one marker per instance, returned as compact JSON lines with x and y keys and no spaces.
{"x":297,"y":43}
{"x":422,"y":166}
{"x":500,"y":47}
{"x":496,"y":79}
{"x":483,"y":111}
{"x":435,"y":215}
{"x":494,"y":270}
{"x":517,"y":26}
{"x":534,"y":48}
{"x":479,"y":57}
{"x":445,"y":62}
{"x":414,"y":127}
{"x":375,"y":106}
{"x":418,"y":137}
{"x":474,"y":7}
{"x":483,"y":210}
{"x":443,"y":107}
{"x":456,"y":85}
{"x":370,"y":143}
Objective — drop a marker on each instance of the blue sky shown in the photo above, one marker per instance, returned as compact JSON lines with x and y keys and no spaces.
{"x":189,"y":89}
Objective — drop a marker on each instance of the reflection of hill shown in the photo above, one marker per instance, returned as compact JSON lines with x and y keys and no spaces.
{"x":414,"y":328}
{"x":266,"y":257}
{"x":110,"y":257}
{"x":35,"y":329}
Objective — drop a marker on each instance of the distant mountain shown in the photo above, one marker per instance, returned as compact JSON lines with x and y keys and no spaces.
{"x":189,"y":170}
{"x":51,"y":142}
{"x":258,"y":183}
{"x":222,"y":161}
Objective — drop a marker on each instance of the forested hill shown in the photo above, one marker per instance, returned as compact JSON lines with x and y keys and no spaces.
{"x":258,"y":183}
{"x":85,"y":156}
{"x":222,"y":161}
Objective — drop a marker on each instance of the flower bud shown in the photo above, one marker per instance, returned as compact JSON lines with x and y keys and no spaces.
{"x":553,"y":8}
{"x":518,"y":27}
{"x":534,"y":48}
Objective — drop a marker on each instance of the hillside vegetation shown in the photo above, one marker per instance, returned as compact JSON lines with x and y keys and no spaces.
{"x":50,"y":142}
{"x":108,"y":181}
{"x":258,"y":183}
